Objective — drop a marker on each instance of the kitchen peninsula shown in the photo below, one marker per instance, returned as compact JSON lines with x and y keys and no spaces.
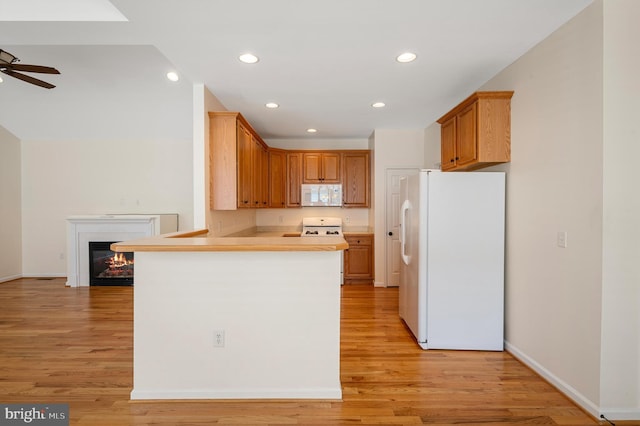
{"x":236,"y":317}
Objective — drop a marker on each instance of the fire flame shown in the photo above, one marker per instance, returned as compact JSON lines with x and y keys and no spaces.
{"x":119,"y":261}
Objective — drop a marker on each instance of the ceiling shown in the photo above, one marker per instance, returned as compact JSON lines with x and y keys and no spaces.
{"x":323,"y":61}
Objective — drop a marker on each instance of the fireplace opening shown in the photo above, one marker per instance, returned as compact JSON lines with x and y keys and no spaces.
{"x":107,"y":267}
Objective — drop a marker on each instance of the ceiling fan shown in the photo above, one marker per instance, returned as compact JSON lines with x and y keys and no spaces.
{"x":9,"y":67}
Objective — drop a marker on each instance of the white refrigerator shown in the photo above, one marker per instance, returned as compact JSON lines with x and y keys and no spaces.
{"x":452,"y":249}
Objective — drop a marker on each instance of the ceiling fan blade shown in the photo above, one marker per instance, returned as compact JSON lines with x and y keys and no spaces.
{"x":33,"y":68}
{"x":29,"y":79}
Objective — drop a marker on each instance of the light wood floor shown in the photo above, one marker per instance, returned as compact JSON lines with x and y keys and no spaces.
{"x":68,"y":345}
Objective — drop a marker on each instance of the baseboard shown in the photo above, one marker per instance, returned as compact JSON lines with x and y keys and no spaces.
{"x":328,"y":394}
{"x":45,"y":275}
{"x":378,"y":284}
{"x":10,"y":278}
{"x":621,"y":414}
{"x":555,"y":381}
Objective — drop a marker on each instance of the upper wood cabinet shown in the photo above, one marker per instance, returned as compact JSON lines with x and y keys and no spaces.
{"x":321,"y":167}
{"x":477,"y":132}
{"x":244,"y":170}
{"x":259,"y":174}
{"x":246,"y":173}
{"x":238,"y":163}
{"x":264,"y":180}
{"x":294,"y":179}
{"x":277,"y":178}
{"x":356,"y":177}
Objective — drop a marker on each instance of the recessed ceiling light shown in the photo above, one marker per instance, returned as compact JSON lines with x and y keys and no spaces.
{"x":406,"y":57}
{"x":378,"y":104}
{"x":173,"y":76}
{"x":271,"y":105}
{"x":311,"y":130}
{"x":248,"y":58}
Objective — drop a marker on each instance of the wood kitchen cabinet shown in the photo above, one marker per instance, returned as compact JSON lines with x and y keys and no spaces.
{"x":477,"y":132}
{"x":358,"y":258}
{"x":356,"y":179}
{"x":246,"y":173}
{"x":265,"y":176}
{"x":277,"y":178}
{"x":244,"y":170}
{"x":321,"y":167}
{"x":259,"y":174}
{"x":238,"y":163}
{"x":294,"y":179}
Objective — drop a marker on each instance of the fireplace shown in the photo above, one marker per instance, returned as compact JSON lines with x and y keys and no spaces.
{"x":107,"y":267}
{"x":113,"y":227}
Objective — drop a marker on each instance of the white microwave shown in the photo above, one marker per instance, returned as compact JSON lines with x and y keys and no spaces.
{"x":321,"y":195}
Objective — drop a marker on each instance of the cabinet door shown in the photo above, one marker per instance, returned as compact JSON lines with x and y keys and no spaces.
{"x":466,"y":135}
{"x":264,"y":176}
{"x":448,"y":146}
{"x":330,"y":163}
{"x":294,"y":178}
{"x":355,"y":179}
{"x":256,"y":172}
{"x":358,"y":258}
{"x":312,"y":167}
{"x":277,"y":179}
{"x":321,"y":167}
{"x":244,"y":166}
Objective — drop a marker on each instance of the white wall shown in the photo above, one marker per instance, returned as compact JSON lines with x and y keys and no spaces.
{"x":554,"y":183}
{"x":620,"y":373}
{"x":202,"y":99}
{"x":10,"y":201}
{"x":391,"y":148}
{"x":63,"y":178}
{"x":432,"y":159}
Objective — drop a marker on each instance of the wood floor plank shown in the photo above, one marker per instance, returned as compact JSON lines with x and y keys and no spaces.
{"x":74,"y":345}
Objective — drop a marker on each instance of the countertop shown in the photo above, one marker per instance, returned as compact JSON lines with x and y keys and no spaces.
{"x":201,"y":241}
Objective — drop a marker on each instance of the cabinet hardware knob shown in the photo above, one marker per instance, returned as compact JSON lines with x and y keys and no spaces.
{"x":452,"y":160}
{"x":457,"y":158}
{"x":390,"y":234}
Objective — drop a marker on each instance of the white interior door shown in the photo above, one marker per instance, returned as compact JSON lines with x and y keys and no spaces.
{"x":392,"y":214}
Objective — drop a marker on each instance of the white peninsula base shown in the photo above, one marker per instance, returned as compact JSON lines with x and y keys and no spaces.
{"x":279,"y":313}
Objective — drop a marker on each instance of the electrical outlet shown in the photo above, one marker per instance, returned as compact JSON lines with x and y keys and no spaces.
{"x":562,"y":239}
{"x":218,"y":338}
{"x":347,"y":219}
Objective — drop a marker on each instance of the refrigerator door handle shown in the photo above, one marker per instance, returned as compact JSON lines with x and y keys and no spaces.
{"x":403,"y":232}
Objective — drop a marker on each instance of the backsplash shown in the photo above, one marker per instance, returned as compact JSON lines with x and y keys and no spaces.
{"x":293,"y":217}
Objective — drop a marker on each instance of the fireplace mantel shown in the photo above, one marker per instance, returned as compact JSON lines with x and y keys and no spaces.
{"x":117,"y":227}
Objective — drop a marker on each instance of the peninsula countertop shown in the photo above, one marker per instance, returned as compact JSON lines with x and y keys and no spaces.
{"x":200,"y":241}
